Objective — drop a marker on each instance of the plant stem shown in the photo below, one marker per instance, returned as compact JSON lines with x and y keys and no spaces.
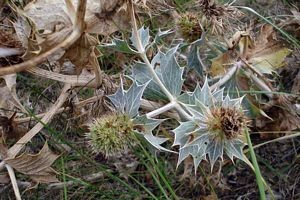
{"x":226,"y":77}
{"x":144,"y":57}
{"x":154,"y":75}
{"x":259,"y":178}
{"x":259,"y":83}
{"x":161,"y":109}
{"x":14,"y":183}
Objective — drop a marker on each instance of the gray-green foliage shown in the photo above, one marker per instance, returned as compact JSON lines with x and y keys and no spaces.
{"x":162,"y":79}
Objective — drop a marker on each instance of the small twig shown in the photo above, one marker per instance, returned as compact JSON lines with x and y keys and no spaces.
{"x":89,"y":178}
{"x":297,"y":134}
{"x":14,"y":183}
{"x":150,"y":106}
{"x":60,"y":110}
{"x":260,"y":75}
{"x":81,"y":80}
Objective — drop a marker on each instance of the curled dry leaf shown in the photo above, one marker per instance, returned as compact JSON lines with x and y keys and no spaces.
{"x":105,"y":17}
{"x":9,"y":99}
{"x":54,"y":20}
{"x":83,"y":53}
{"x":37,"y":166}
{"x":102,"y":17}
{"x":264,"y":53}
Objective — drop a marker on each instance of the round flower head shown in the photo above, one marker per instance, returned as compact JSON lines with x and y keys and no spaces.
{"x":217,"y":16}
{"x":190,"y":27}
{"x":112,"y":134}
{"x":218,"y":125}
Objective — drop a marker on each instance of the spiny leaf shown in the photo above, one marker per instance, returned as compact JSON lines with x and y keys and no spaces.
{"x":166,"y":68}
{"x":144,"y":36}
{"x":118,"y":99}
{"x":160,"y":35}
{"x":120,"y":45}
{"x":171,"y":72}
{"x":128,"y":101}
{"x":142,"y":75}
{"x":193,"y":58}
{"x":234,"y":149}
{"x":215,"y":150}
{"x":36,"y":166}
{"x":133,"y":98}
{"x":148,"y":124}
{"x":182,"y":131}
{"x":203,"y":94}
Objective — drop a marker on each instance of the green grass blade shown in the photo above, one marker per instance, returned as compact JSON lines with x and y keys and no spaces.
{"x":259,"y":178}
{"x":64,"y":177}
{"x":288,"y":36}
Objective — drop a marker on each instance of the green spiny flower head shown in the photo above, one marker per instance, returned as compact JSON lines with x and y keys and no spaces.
{"x":218,"y":126}
{"x":190,"y":27}
{"x":111,"y":134}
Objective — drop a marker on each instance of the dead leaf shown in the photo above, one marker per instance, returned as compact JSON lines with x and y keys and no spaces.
{"x":284,"y":118}
{"x":8,"y":92}
{"x":52,"y":28}
{"x":37,"y":166}
{"x":264,"y":53}
{"x":105,"y":17}
{"x":4,"y":179}
{"x":85,"y":49}
{"x":102,"y":17}
{"x":267,"y":54}
{"x":221,"y":63}
{"x":23,"y":30}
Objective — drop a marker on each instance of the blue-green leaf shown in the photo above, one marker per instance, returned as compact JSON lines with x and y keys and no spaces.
{"x":128,"y":101}
{"x":148,"y":125}
{"x":161,"y":34}
{"x":144,"y":37}
{"x":234,"y":148}
{"x":168,"y":71}
{"x":215,"y":150}
{"x":171,"y":72}
{"x":120,"y":46}
{"x":193,"y":57}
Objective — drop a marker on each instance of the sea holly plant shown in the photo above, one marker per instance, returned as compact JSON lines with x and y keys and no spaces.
{"x":211,"y":124}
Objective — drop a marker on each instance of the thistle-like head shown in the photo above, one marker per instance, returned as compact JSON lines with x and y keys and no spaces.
{"x":227,"y":123}
{"x":111,"y":134}
{"x":189,"y":26}
{"x":218,"y":126}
